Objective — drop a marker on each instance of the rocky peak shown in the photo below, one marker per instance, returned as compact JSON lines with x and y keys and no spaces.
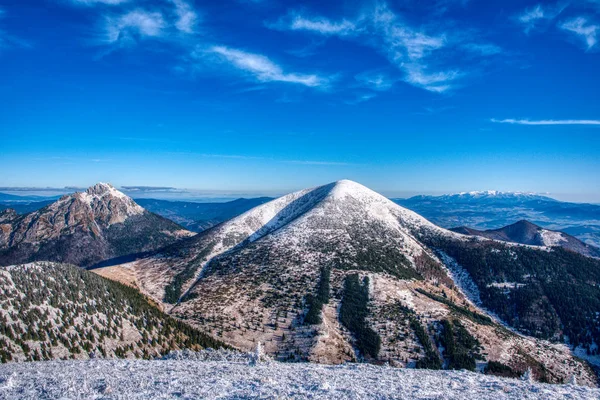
{"x":108,"y":205}
{"x":100,"y":188}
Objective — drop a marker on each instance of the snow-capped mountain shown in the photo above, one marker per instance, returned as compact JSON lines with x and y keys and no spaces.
{"x":84,"y":228}
{"x":487,"y":195}
{"x":525,"y":232}
{"x":339,"y":272}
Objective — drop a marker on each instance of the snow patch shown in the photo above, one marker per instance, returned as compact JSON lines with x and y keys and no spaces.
{"x":506,"y":285}
{"x":461,"y":278}
{"x":552,"y":238}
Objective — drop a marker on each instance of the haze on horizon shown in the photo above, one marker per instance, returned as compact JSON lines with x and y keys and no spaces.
{"x":266,"y":97}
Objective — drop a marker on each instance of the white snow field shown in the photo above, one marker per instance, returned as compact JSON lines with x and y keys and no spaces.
{"x":234,"y":377}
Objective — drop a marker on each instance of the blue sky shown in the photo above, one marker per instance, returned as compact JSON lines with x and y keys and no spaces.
{"x":268,"y":96}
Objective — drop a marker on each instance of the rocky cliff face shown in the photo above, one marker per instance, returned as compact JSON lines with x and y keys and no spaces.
{"x":339,"y":273}
{"x":83,"y":229}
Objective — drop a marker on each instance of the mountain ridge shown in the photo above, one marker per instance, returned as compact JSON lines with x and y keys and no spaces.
{"x":489,"y":195}
{"x":525,"y":232}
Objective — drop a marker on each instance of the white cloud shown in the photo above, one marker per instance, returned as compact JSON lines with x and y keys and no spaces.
{"x":410,"y":50}
{"x":547,"y":121}
{"x":581,"y":27}
{"x":263,"y":69}
{"x":186,"y":16}
{"x":126,"y":28}
{"x":438,"y":82}
{"x":401,"y":41}
{"x":92,"y":2}
{"x":322,"y":25}
{"x":420,"y":54}
{"x":533,"y":17}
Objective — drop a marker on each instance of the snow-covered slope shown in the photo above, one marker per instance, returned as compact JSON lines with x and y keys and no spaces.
{"x":84,"y":228}
{"x":331,"y":223}
{"x":238,"y":380}
{"x":251,"y":279}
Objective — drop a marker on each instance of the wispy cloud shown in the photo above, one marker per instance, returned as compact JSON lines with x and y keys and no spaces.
{"x":93,"y":2}
{"x":547,"y":121}
{"x":186,"y":16}
{"x":410,"y":49}
{"x":432,"y":81}
{"x":128,"y":28}
{"x":321,"y":25}
{"x":532,"y":18}
{"x":420,"y":54}
{"x":584,"y":29}
{"x":262,"y":68}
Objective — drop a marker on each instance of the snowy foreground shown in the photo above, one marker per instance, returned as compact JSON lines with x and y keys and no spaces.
{"x":234,"y":377}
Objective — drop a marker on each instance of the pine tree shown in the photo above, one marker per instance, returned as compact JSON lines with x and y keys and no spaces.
{"x":527,"y":375}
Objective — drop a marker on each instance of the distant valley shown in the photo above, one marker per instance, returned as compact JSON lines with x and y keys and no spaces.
{"x":196,"y":216}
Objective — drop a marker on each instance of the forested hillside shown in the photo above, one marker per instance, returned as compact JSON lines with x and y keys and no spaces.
{"x":58,"y":311}
{"x":551,"y":294}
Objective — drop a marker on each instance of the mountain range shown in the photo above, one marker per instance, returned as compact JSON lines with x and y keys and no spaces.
{"x":328,"y":274}
{"x":83,"y":229}
{"x":493,"y":210}
{"x":481,"y":210}
{"x":338,"y":273}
